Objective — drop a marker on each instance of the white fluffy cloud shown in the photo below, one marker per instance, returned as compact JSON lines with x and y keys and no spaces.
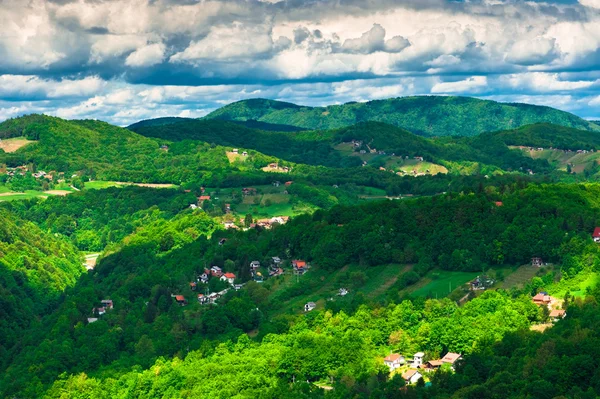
{"x":148,"y":55}
{"x":88,"y":57}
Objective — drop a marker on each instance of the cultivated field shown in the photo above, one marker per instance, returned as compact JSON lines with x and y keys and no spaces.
{"x":440,"y":283}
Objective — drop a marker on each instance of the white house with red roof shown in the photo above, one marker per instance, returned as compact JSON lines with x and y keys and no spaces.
{"x":299,"y":266}
{"x":596,"y":234}
{"x":229,"y":277}
{"x":451,"y":358}
{"x":411,"y":376}
{"x":393,"y":361}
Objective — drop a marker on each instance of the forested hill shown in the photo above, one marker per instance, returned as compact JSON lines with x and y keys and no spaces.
{"x":546,"y":135}
{"x":425,"y":115}
{"x":35,"y":268}
{"x":158,"y":122}
{"x":323,"y":147}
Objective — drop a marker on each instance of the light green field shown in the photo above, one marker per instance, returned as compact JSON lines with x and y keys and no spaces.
{"x":325,"y":284}
{"x":99,"y":184}
{"x":576,"y":286}
{"x":8,"y":196}
{"x":441,"y":286}
{"x":4,"y":189}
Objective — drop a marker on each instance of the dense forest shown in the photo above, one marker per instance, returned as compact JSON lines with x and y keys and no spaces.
{"x":375,"y":244}
{"x":425,"y":115}
{"x":159,"y":258}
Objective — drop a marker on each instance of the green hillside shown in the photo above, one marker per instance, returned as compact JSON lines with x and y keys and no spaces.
{"x":425,"y":115}
{"x":157,"y":122}
{"x":383,"y":145}
{"x":546,"y":135}
{"x":35,"y":268}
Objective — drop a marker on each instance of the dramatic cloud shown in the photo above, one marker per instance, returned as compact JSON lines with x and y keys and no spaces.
{"x":123,"y":60}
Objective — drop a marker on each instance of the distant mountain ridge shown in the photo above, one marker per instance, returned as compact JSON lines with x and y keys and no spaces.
{"x":423,"y":115}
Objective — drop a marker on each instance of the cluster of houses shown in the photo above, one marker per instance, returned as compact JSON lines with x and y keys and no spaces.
{"x":417,"y":364}
{"x":533,"y":149}
{"x":274,"y":165}
{"x":237,"y":152}
{"x":98,"y":311}
{"x":481,"y":283}
{"x":22,"y":171}
{"x":544,"y":299}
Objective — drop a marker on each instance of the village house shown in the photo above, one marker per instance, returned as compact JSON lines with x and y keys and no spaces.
{"x":393,"y":361}
{"x":420,"y":159}
{"x":108,"y":303}
{"x":238,"y":287}
{"x":432,"y":365}
{"x":204,"y":278}
{"x":343,"y":292}
{"x":537,"y":262}
{"x":309,"y":306}
{"x":299,"y":266}
{"x":258,"y":277}
{"x":164,"y":147}
{"x":254,"y":265}
{"x":193,"y":285}
{"x":481,"y":283}
{"x":248,"y":191}
{"x":229,"y":225}
{"x":596,"y":234}
{"x":212,"y":297}
{"x":451,"y":358}
{"x":279,"y":219}
{"x":411,"y":376}
{"x":418,"y":359}
{"x":203,"y":198}
{"x":235,"y":150}
{"x":557,"y":314}
{"x":288,"y":183}
{"x":203,"y":299}
{"x":180,"y":299}
{"x":216,"y":271}
{"x":92,"y":319}
{"x":245,"y":153}
{"x":276,"y":260}
{"x":222,"y":241}
{"x":229,"y":277}
{"x":542,"y":299}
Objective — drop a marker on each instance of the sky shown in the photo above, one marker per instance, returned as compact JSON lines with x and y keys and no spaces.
{"x":126,"y":60}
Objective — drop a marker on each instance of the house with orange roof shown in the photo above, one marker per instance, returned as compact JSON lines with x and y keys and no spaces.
{"x":393,"y":361}
{"x":229,"y":277}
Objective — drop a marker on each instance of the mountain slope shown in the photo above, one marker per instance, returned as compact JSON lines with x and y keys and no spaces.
{"x":548,"y":135}
{"x":35,"y":268}
{"x":426,"y":115}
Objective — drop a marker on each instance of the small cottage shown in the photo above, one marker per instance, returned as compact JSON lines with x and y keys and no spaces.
{"x":229,"y":277}
{"x":411,"y":376}
{"x":310,"y":306}
{"x":596,"y":234}
{"x":418,"y":359}
{"x":393,"y":361}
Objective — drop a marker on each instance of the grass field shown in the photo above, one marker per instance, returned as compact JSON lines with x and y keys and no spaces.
{"x":99,"y":184}
{"x":325,"y":285}
{"x":12,"y":145}
{"x":11,"y":196}
{"x":576,"y":286}
{"x":440,"y":283}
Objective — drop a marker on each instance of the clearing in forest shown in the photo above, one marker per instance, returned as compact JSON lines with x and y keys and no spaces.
{"x":12,"y":145}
